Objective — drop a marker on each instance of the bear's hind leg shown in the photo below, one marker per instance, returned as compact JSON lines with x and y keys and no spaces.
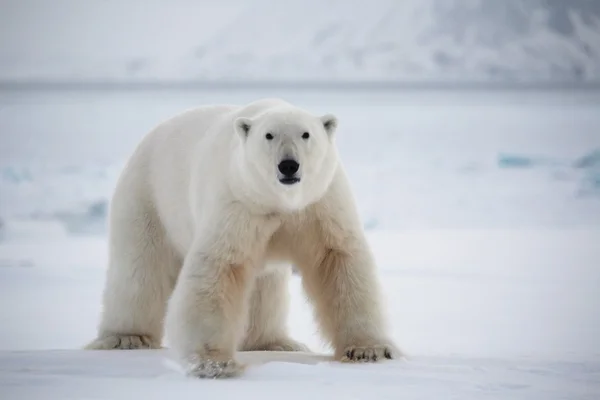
{"x":267,"y":318}
{"x":141,"y":275}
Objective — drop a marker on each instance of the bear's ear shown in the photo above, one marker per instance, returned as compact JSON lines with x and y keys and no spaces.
{"x":330,"y":124}
{"x":242,"y":126}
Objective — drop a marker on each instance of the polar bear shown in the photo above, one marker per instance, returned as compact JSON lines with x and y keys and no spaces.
{"x":208,"y":215}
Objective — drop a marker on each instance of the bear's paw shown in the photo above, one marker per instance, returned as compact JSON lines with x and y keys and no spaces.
{"x":213,"y":368}
{"x":372,"y":353}
{"x":123,"y":342}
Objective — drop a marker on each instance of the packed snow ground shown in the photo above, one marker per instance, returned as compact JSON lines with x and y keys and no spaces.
{"x":483,"y":211}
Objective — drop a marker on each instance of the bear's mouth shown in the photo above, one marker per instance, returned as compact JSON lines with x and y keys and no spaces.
{"x":289,"y":180}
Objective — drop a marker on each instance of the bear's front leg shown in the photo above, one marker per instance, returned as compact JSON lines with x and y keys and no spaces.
{"x":340,"y":276}
{"x":207,"y":312}
{"x":345,"y":293}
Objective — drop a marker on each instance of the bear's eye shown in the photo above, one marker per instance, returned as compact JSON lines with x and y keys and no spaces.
{"x":305,"y":135}
{"x":269,"y":136}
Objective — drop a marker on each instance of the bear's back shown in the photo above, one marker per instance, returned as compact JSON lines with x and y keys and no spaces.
{"x":192,"y":125}
{"x":257,"y":107}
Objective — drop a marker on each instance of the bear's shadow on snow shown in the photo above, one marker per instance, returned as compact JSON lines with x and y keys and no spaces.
{"x":256,"y":359}
{"x":300,"y":357}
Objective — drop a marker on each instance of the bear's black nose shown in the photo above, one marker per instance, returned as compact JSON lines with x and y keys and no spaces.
{"x":288,"y":167}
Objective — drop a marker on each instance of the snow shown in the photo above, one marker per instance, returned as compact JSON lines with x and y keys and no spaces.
{"x":511,"y":41}
{"x":71,"y":374}
{"x":483,"y":210}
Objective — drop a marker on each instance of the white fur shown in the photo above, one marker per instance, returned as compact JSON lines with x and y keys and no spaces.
{"x":202,"y":235}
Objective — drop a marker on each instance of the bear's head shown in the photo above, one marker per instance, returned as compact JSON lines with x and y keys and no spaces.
{"x":288,"y":156}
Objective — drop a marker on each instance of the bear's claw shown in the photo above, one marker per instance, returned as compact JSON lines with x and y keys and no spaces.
{"x":369,"y":353}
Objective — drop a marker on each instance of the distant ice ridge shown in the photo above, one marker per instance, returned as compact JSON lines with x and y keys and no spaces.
{"x":75,"y":196}
{"x":302,"y":40}
{"x":588,"y":164}
{"x":513,"y":190}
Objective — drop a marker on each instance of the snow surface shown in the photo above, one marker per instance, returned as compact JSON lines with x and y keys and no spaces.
{"x":300,"y":40}
{"x":483,"y":210}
